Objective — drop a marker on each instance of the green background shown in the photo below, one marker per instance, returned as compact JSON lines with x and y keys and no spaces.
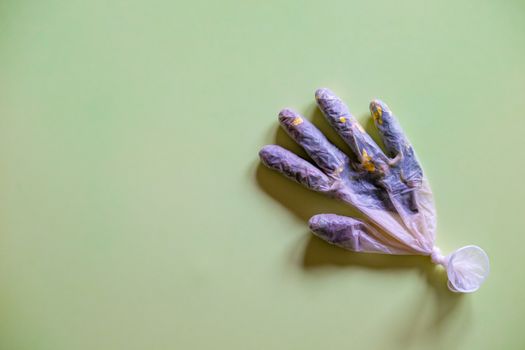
{"x":134,"y":213}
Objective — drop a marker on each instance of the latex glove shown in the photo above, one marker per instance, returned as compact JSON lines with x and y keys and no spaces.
{"x":389,"y":189}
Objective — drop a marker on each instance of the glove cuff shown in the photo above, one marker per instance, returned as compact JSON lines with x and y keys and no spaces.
{"x":467,"y":268}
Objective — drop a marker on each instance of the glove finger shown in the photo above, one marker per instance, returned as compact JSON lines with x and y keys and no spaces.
{"x":396,"y":143}
{"x":327,"y":156}
{"x":294,"y":167}
{"x":353,"y":234}
{"x":391,"y":133}
{"x":336,"y":112}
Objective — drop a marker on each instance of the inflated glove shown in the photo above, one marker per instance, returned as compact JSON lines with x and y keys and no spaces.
{"x":389,"y":189}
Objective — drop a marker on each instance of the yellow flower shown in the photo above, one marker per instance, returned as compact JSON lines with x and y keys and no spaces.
{"x":367,"y":162}
{"x":297,"y":121}
{"x":377,"y":113}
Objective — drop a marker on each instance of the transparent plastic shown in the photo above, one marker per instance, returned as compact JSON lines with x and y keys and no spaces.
{"x":388,"y":187}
